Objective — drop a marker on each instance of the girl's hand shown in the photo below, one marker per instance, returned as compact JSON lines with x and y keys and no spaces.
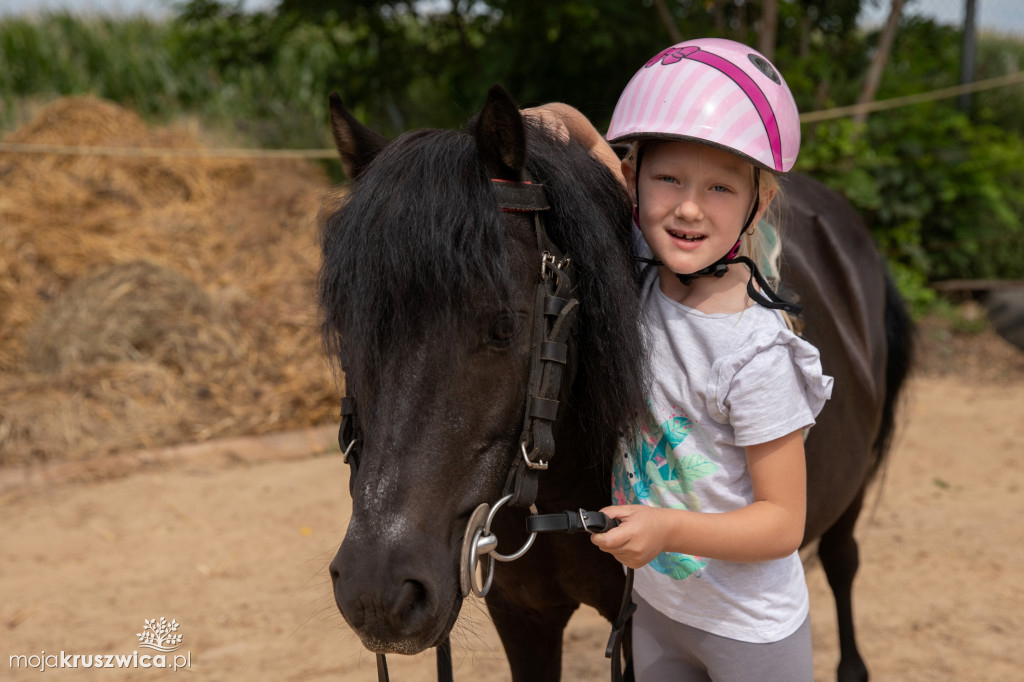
{"x":639,"y":537}
{"x":568,"y":123}
{"x":548,"y":116}
{"x":770,"y":527}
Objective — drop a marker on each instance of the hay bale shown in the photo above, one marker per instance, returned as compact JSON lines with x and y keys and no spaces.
{"x":150,"y":302}
{"x":81,"y":120}
{"x":133,"y":312}
{"x":92,"y":411}
{"x":109,"y":181}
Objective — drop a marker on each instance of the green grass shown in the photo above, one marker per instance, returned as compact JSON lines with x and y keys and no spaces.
{"x":165,"y":70}
{"x":123,"y":60}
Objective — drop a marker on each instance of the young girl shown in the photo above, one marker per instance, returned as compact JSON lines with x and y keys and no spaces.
{"x":710,"y":489}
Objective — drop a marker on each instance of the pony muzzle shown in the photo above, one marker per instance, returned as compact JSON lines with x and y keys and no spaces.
{"x":403,"y":614}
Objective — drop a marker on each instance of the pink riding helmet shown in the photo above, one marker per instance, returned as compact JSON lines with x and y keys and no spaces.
{"x":715,"y":91}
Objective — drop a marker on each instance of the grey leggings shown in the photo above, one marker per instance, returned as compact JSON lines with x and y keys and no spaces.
{"x":667,"y":651}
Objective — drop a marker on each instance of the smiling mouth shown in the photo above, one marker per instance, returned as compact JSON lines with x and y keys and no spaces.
{"x":687,"y":237}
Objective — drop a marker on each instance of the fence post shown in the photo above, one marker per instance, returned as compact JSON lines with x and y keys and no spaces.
{"x":967,"y":53}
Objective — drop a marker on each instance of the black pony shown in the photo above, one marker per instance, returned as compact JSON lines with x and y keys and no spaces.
{"x":427,"y":292}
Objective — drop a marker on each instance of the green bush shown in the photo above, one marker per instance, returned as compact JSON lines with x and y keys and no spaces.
{"x":942,"y":196}
{"x":999,"y":55}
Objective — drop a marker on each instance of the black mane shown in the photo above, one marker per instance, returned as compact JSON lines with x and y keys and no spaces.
{"x":418,"y":241}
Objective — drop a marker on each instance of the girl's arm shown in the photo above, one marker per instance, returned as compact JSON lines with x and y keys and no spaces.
{"x":771,"y":527}
{"x":569,"y":122}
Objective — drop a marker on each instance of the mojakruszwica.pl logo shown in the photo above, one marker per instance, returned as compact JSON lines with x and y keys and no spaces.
{"x":161,"y":636}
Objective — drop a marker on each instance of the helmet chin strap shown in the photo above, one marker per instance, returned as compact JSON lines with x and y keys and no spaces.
{"x":766,"y":296}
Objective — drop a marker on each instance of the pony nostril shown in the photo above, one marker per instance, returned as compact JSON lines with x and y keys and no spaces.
{"x":410,"y":606}
{"x":335,"y":574}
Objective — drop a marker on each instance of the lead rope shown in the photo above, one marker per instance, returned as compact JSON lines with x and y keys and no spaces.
{"x":595,"y":522}
{"x":613,"y":650}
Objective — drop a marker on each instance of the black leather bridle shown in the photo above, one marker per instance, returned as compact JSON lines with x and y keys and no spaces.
{"x":554,"y":315}
{"x":552,"y":369}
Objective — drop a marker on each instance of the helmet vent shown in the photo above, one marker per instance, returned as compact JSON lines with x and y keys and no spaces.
{"x":764,"y":67}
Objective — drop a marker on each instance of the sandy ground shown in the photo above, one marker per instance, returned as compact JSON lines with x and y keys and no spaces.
{"x":234,"y":545}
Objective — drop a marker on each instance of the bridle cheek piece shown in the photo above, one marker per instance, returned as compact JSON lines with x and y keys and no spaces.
{"x":554,"y":319}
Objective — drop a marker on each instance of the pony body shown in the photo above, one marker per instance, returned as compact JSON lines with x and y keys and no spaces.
{"x":426,"y":293}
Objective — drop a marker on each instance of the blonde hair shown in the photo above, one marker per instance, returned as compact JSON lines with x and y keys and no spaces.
{"x":762,"y":242}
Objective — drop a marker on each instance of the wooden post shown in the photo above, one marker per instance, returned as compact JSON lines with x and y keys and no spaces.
{"x":967,"y":53}
{"x":668,"y":21}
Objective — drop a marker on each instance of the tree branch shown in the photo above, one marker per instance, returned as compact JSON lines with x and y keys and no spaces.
{"x":874,"y":75}
{"x":670,"y":24}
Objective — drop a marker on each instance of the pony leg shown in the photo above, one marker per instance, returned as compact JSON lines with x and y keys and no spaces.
{"x":532,"y":641}
{"x":840,"y":558}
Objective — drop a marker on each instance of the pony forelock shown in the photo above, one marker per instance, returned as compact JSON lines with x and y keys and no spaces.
{"x":413,"y":238}
{"x":418,"y":242}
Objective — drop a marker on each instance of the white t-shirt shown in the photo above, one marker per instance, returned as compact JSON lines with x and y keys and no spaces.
{"x":720,"y":383}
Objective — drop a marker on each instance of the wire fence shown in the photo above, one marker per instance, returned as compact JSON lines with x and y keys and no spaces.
{"x":1000,"y":16}
{"x":154,"y":152}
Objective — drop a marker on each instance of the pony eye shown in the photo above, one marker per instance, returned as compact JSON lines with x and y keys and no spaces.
{"x":503,"y":329}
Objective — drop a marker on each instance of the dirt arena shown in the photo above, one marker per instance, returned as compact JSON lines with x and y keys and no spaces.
{"x":133,"y":487}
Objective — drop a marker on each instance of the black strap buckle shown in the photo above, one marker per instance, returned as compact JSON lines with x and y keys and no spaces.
{"x":569,"y":521}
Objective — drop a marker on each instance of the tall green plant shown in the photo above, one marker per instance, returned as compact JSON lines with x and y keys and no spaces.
{"x":60,"y":54}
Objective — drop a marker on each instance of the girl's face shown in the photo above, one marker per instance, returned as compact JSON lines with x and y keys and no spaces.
{"x":693,"y":201}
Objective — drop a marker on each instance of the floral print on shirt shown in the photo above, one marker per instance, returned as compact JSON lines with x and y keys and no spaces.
{"x":649,"y":471}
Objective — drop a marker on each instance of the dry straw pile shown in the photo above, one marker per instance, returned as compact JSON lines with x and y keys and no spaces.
{"x":152,"y":301}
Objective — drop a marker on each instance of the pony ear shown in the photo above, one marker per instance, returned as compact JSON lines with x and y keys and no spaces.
{"x":357,"y":145}
{"x":500,"y":136}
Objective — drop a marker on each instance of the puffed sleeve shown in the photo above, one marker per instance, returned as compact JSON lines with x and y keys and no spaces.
{"x":771,"y":386}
